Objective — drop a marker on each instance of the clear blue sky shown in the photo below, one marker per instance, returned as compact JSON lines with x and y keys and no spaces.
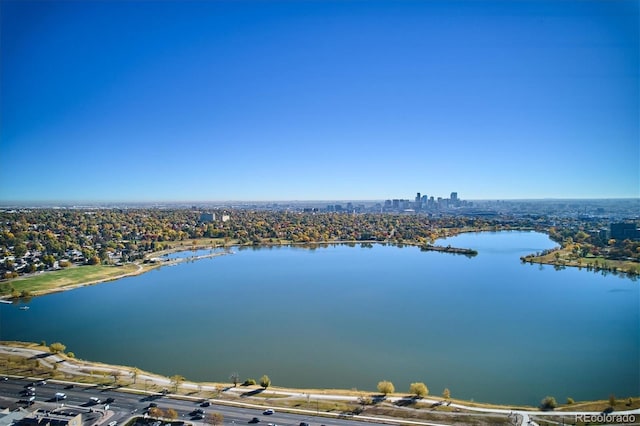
{"x":262,"y":100}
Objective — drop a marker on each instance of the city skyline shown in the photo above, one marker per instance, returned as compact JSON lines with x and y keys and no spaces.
{"x":125,"y":101}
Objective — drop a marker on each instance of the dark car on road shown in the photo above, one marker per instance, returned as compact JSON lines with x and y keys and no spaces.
{"x":254,"y":420}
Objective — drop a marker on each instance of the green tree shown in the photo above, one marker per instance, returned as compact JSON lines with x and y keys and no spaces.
{"x":446,"y":393}
{"x":385,"y":387}
{"x":57,"y":348}
{"x":265,"y":381}
{"x":612,"y":400}
{"x":420,"y":390}
{"x":19,"y":250}
{"x":570,"y":401}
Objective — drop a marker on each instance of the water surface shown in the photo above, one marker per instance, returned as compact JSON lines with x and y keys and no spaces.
{"x":488,"y":328}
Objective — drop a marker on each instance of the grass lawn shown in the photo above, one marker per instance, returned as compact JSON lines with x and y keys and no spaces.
{"x":565,"y":257}
{"x":74,"y":275}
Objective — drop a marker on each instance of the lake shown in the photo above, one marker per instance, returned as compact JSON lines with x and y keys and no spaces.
{"x":489,"y":328}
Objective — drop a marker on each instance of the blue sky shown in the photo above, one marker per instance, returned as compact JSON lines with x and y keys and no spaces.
{"x":308,"y":100}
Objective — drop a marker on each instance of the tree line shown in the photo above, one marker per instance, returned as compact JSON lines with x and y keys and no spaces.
{"x":39,"y":239}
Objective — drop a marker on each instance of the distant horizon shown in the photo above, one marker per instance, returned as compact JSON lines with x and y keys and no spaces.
{"x":319,"y":100}
{"x":277,"y":201}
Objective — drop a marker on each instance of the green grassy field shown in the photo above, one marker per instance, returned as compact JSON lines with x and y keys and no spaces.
{"x":75,"y":275}
{"x":567,"y":258}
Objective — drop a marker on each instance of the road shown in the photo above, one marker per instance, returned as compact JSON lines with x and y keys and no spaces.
{"x":126,"y":405}
{"x":131,"y":403}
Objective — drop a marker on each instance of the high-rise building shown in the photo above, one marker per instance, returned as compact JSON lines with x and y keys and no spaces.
{"x":454,"y":196}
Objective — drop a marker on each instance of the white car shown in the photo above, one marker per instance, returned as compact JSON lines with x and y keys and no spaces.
{"x":61,"y":395}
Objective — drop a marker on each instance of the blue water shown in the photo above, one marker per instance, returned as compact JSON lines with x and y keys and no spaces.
{"x":489,"y":328}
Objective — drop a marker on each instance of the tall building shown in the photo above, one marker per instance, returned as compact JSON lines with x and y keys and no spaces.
{"x":207,"y":217}
{"x":624,"y":231}
{"x":454,"y":196}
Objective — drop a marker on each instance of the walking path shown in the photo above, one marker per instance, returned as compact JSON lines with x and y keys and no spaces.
{"x":83,"y":368}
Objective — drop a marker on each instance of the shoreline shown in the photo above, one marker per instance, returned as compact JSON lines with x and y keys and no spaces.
{"x":132,"y":378}
{"x":146,"y":265}
{"x":151,"y":261}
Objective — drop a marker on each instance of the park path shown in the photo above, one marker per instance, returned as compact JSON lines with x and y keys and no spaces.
{"x":82,"y":368}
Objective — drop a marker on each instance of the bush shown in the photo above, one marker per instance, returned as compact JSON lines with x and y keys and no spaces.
{"x":265,"y":381}
{"x":57,"y":347}
{"x":249,"y":382}
{"x":570,"y":401}
{"x":548,"y":403}
{"x":418,"y":389}
{"x":385,"y":387}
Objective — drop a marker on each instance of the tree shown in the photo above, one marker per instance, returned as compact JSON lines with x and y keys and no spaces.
{"x":548,"y":403}
{"x":265,"y":381}
{"x":155,"y":412}
{"x":235,"y":379}
{"x":446,"y":393}
{"x":214,"y":418}
{"x":385,"y":387}
{"x":57,"y":348}
{"x":134,"y":374}
{"x":176,"y":380}
{"x":116,"y":375}
{"x":171,"y":414}
{"x":612,"y":400}
{"x":420,"y":390}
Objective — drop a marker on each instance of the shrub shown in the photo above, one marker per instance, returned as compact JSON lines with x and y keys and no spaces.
{"x":249,"y":382}
{"x":548,"y":403}
{"x":265,"y":381}
{"x":418,"y":389}
{"x":57,"y":347}
{"x":385,"y":387}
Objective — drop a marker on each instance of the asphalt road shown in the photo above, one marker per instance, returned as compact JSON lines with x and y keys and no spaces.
{"x":125,"y":405}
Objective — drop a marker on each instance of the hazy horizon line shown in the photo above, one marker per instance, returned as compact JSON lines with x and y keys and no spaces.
{"x":249,"y":201}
